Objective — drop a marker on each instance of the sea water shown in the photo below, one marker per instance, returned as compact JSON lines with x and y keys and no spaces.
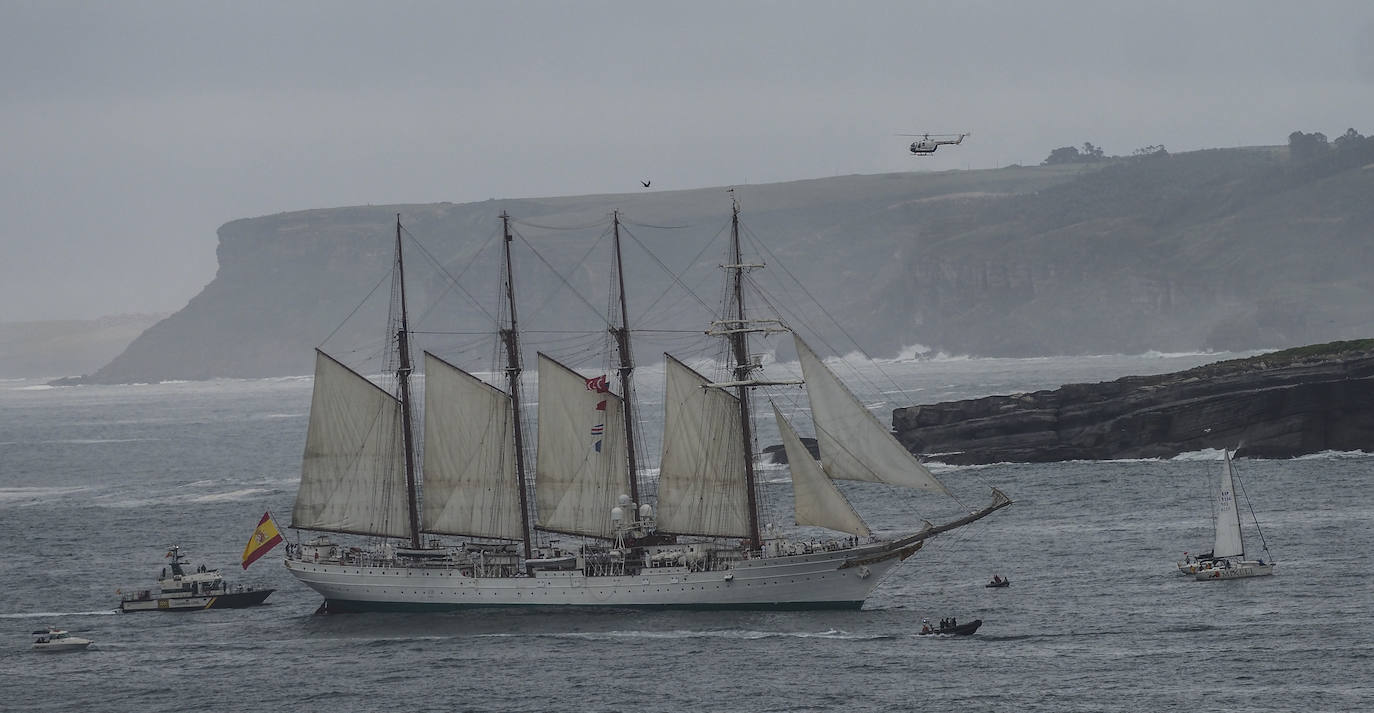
{"x":96,"y":482}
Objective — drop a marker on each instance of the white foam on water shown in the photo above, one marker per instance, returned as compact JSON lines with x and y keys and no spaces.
{"x":37,"y":494}
{"x":244,"y":494}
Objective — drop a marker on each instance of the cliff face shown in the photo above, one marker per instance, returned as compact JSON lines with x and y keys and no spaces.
{"x":1277,"y":405}
{"x":1224,"y":250}
{"x":287,"y":281}
{"x":1229,"y":250}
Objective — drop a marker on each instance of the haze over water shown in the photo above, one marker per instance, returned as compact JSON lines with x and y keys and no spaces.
{"x":95,"y":482}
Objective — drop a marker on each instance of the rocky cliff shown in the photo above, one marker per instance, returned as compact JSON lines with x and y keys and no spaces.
{"x":288,"y":282}
{"x":1276,"y":405}
{"x":1227,"y":250}
{"x":1231,"y":250}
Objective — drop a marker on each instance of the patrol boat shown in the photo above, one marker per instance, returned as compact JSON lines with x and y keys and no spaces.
{"x":185,"y":590}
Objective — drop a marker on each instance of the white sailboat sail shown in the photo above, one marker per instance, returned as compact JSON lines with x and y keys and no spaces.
{"x":581,"y":468}
{"x":1228,"y":542}
{"x":353,"y":473}
{"x":469,"y":468}
{"x":818,"y":501}
{"x":853,"y":444}
{"x":701,"y":484}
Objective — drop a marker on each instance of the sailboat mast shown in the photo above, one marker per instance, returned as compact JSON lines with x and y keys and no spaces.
{"x":622,"y":342}
{"x":740,"y":346}
{"x":512,"y":341}
{"x":403,"y":380}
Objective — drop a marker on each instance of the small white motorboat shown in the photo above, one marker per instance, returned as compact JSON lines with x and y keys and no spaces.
{"x":51,"y":639}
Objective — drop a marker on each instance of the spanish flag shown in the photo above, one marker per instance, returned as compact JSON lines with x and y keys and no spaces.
{"x":264,"y":538}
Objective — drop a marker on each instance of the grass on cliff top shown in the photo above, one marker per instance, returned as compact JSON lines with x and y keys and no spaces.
{"x":1285,"y":357}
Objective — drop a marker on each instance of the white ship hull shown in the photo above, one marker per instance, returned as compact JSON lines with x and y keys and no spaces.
{"x":840,"y":579}
{"x":68,"y":643}
{"x":166,"y":604}
{"x":1237,"y":570}
{"x":72,"y":644}
{"x":57,"y":640}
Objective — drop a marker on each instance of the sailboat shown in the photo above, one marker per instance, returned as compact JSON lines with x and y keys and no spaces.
{"x":699,"y":544}
{"x":1227,"y":559}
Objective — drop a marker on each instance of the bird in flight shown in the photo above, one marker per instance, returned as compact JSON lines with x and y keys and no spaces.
{"x":646,"y":183}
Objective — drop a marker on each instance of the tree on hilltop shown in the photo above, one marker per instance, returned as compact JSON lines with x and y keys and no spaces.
{"x":1305,"y":147}
{"x":1063,"y":154}
{"x":1351,"y":139}
{"x":1069,"y":154}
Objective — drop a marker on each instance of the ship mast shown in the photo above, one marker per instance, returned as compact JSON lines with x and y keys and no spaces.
{"x":511,"y":339}
{"x":740,"y":347}
{"x":403,"y":381}
{"x":622,"y":341}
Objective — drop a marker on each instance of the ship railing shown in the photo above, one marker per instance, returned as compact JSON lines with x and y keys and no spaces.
{"x":789,"y":548}
{"x":482,"y":561}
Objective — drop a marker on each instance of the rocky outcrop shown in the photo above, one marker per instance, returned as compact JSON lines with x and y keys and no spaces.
{"x":1276,"y":405}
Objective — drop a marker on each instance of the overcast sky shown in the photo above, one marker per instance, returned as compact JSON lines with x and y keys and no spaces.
{"x":130,"y":131}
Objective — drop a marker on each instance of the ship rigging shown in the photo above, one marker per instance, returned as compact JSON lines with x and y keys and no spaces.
{"x":693,"y":537}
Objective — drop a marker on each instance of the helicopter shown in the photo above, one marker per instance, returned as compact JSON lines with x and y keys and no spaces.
{"x":927,"y":144}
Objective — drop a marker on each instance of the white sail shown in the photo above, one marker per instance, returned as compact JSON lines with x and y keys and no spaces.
{"x":469,"y":469}
{"x":702,"y":487}
{"x":854,"y":445}
{"x":353,"y":472}
{"x":1228,"y":542}
{"x":818,"y":501}
{"x":581,"y":469}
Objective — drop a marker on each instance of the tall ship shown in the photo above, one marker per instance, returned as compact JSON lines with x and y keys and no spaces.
{"x":453,"y":514}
